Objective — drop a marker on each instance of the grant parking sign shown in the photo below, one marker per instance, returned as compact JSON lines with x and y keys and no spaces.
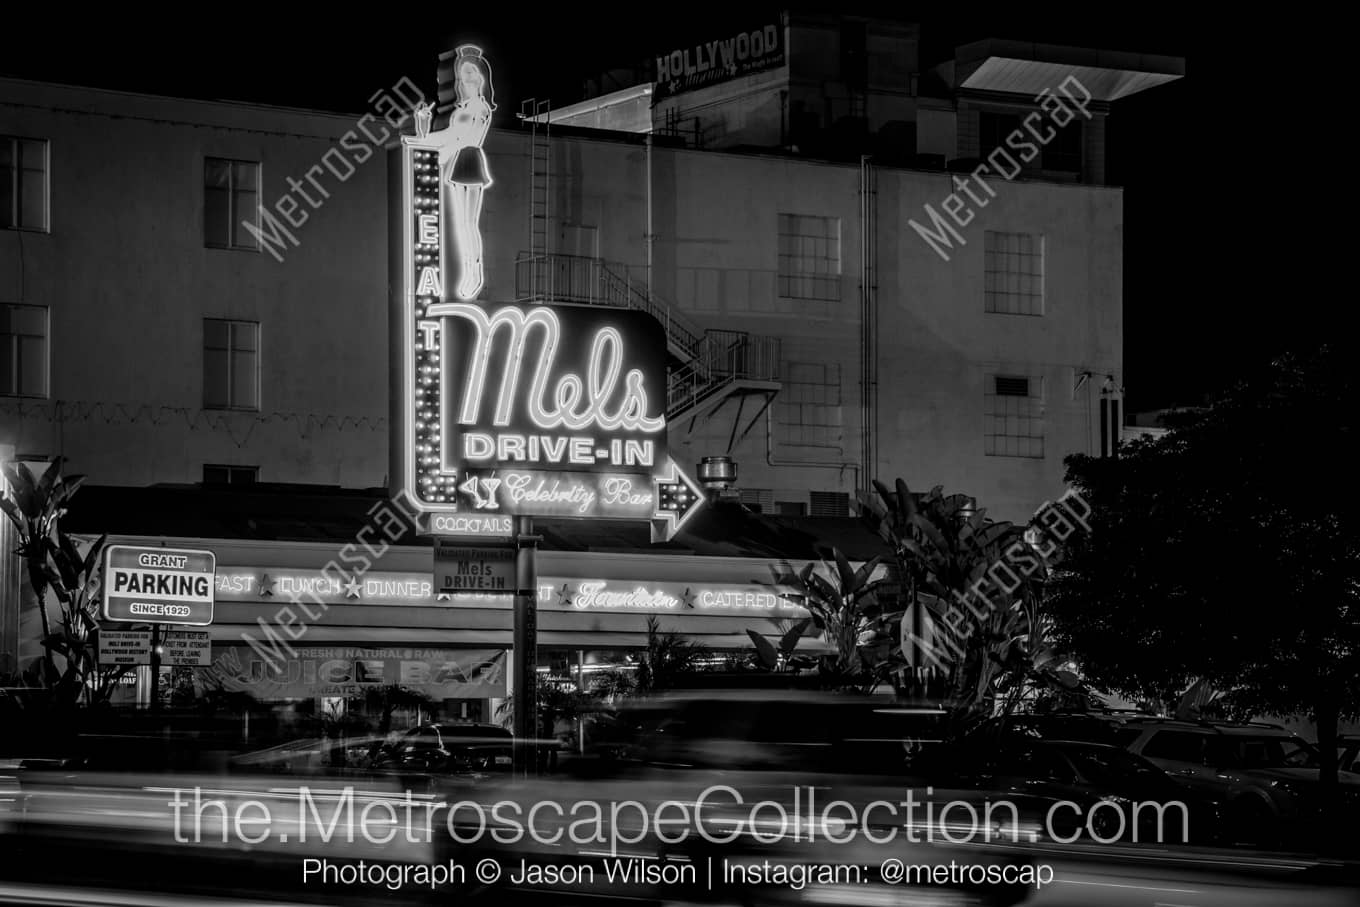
{"x":158,"y":585}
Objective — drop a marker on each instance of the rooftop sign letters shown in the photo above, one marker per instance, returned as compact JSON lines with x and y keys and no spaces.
{"x":748,"y":51}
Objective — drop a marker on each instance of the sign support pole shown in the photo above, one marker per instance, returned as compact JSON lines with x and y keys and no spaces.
{"x":155,"y":667}
{"x":526,"y":647}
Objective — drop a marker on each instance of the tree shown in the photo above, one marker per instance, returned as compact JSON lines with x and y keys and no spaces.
{"x":57,"y":568}
{"x":35,"y":505}
{"x":843,"y":604}
{"x":385,"y":700}
{"x":1228,"y":551}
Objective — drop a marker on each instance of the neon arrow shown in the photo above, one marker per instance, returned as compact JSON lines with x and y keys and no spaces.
{"x":678,"y":498}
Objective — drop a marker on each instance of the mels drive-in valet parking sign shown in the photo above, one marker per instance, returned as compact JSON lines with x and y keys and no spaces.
{"x":158,"y":585}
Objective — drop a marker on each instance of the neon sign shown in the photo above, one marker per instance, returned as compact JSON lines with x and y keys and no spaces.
{"x":463,"y":165}
{"x":513,"y":410}
{"x":267,"y":585}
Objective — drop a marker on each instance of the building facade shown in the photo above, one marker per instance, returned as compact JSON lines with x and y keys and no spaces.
{"x":151,"y":337}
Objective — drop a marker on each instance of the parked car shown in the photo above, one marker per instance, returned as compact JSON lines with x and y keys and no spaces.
{"x":448,"y":748}
{"x":1264,"y":778}
{"x":1348,"y":753}
{"x":1143,"y":797}
{"x":1093,"y":727}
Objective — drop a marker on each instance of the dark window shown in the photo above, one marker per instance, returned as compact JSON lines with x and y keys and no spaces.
{"x":23,"y":183}
{"x":1125,"y":736}
{"x":790,"y":508}
{"x":1063,"y":151}
{"x":231,"y":364}
{"x":23,"y":350}
{"x":809,"y":257}
{"x":1014,"y":410}
{"x":854,"y":54}
{"x":231,"y":192}
{"x":993,"y":129}
{"x":1180,"y":746}
{"x":214,"y":474}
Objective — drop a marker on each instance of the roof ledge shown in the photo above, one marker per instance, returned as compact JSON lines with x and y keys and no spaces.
{"x":1023,"y":68}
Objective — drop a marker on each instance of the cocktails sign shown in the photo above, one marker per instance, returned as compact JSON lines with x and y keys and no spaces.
{"x":517,"y":409}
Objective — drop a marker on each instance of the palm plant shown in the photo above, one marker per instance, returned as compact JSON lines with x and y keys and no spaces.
{"x":35,"y":505}
{"x":668,"y":654}
{"x":844,"y":605}
{"x":781,"y":656}
{"x":75,"y":580}
{"x":945,"y":547}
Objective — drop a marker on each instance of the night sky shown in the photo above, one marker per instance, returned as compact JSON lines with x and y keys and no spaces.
{"x":1204,"y":267}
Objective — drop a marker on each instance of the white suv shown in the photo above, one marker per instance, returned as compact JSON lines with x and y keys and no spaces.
{"x":1264,"y":778}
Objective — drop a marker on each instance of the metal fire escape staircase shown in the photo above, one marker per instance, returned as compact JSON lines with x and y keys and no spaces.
{"x":707,"y":367}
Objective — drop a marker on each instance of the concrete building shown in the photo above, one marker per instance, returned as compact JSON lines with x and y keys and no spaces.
{"x":152,"y":338}
{"x":197,"y":293}
{"x":840,"y":87}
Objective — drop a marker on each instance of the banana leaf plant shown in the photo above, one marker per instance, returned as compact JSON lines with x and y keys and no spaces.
{"x":845,"y":607}
{"x":945,"y":547}
{"x":35,"y":504}
{"x":781,"y":656}
{"x":74,"y":578}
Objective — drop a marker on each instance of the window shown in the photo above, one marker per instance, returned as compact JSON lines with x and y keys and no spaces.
{"x":1014,"y":273}
{"x":809,"y":257}
{"x":993,"y":128}
{"x":231,"y":191}
{"x":808,"y":410}
{"x":829,"y":503}
{"x":854,"y":54}
{"x":1063,"y":151}
{"x":215,"y":474}
{"x":1014,"y":413}
{"x":23,"y":350}
{"x":1177,"y":746}
{"x":23,"y":183}
{"x":790,"y":508}
{"x":231,"y":364}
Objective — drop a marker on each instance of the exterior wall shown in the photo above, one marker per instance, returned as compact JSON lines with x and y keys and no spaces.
{"x":127,"y":237}
{"x":937,"y":344}
{"x":128,"y":282}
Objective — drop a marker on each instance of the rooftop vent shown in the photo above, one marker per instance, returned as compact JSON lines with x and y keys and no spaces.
{"x":719,"y":475}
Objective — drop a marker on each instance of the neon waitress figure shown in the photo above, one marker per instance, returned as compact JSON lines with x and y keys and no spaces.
{"x":466,"y":172}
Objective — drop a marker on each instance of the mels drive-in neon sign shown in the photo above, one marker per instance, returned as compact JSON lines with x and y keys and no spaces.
{"x":518,"y":409}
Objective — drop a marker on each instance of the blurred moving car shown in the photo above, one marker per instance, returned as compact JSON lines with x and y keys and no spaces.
{"x":313,"y":755}
{"x":1264,"y":777}
{"x":98,"y":817}
{"x":711,"y":758}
